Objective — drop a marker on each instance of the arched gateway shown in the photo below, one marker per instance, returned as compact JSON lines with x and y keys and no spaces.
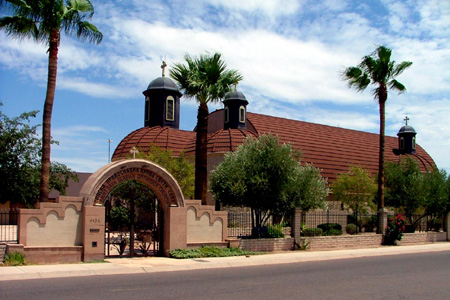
{"x":161,"y":182}
{"x":100,"y":184}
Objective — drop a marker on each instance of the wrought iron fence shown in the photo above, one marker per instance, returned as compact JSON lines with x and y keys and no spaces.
{"x":364,"y":222}
{"x":8,"y":225}
{"x":423,"y":223}
{"x":240,"y":223}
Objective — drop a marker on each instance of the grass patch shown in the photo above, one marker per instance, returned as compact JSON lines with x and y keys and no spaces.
{"x":209,"y":251}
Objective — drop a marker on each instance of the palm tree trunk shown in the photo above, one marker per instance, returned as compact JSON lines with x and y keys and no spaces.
{"x":201,"y":153}
{"x":47,"y":116}
{"x":382,"y":102}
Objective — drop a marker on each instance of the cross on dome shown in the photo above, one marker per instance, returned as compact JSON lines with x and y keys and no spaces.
{"x":406,"y":119}
{"x":163,"y":67}
{"x":134,"y":151}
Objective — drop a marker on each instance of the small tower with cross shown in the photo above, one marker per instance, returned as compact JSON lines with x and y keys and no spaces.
{"x":162,"y":102}
{"x":406,"y":138}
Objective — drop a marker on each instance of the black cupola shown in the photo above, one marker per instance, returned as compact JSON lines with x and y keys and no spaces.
{"x":162,"y":102}
{"x":235,"y":110}
{"x":407,"y":139}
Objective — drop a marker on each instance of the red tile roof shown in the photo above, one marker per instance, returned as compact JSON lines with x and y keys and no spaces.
{"x":332,"y":149}
{"x":166,"y":138}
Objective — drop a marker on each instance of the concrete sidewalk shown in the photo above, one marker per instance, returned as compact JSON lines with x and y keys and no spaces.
{"x":163,"y":264}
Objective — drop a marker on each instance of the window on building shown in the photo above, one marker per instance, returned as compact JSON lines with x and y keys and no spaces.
{"x":402,"y":143}
{"x":242,"y":114}
{"x":414,"y":143}
{"x":170,"y":108}
{"x":227,"y":115}
{"x":147,"y":108}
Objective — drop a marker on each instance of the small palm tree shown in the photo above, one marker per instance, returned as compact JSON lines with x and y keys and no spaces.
{"x":43,"y":21}
{"x":379,"y":70}
{"x":206,"y":79}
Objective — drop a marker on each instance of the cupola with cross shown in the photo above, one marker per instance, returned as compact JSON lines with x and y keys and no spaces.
{"x":162,"y":102}
{"x":235,"y":110}
{"x":407,"y":139}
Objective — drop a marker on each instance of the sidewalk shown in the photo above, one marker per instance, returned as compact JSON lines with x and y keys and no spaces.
{"x":163,"y":264}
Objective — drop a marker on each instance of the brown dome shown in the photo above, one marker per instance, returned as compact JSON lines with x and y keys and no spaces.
{"x":165,"y":138}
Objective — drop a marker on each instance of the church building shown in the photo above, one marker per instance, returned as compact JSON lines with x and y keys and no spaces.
{"x":331,"y":149}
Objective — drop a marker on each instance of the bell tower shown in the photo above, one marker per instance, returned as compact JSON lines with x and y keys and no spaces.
{"x":235,"y":110}
{"x":407,"y":139}
{"x":162,"y":102}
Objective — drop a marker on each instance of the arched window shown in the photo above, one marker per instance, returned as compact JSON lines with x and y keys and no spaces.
{"x":402,"y":143}
{"x":170,"y":108}
{"x":147,"y":108}
{"x":227,"y":115}
{"x":414,"y":143}
{"x":242,"y":114}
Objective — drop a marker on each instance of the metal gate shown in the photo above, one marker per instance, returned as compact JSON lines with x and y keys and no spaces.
{"x":132,"y":230}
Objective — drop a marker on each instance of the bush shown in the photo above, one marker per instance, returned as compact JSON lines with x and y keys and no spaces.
{"x":369,"y":223}
{"x":350,"y":229}
{"x":14,"y":259}
{"x":275,"y":231}
{"x":434,"y":224}
{"x":331,"y":228}
{"x":394,"y":230}
{"x":206,"y":251}
{"x":312,"y":232}
{"x":332,"y":232}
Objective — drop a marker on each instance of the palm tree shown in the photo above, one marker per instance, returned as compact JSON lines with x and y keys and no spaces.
{"x":379,"y":70}
{"x":43,"y":21}
{"x":206,"y":79}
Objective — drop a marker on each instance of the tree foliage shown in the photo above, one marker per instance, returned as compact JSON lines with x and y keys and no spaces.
{"x":416,"y":193}
{"x":179,"y":167}
{"x":20,"y":162}
{"x":356,"y":189}
{"x":268,"y":178}
{"x":207,"y":79}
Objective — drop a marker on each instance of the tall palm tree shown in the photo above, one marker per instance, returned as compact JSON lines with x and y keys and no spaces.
{"x":206,"y":79}
{"x":43,"y":21}
{"x":379,"y":70}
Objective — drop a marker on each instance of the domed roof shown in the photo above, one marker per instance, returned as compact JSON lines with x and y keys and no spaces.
{"x":226,"y":140}
{"x":406,"y":129}
{"x":234,"y":96}
{"x":163,"y":83}
{"x":164,"y":137}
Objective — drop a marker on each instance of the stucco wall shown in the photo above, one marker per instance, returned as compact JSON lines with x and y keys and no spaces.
{"x":204,"y":224}
{"x":57,"y":231}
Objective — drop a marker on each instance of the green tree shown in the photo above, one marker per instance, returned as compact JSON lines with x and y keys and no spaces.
{"x":268,"y":178}
{"x":20,"y":162}
{"x":379,"y":70}
{"x":206,"y":79}
{"x":43,"y":21}
{"x":179,"y":167}
{"x":356,"y":189}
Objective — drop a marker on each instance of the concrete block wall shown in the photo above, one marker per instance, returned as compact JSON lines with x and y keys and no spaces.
{"x":344,"y":242}
{"x":267,"y":245}
{"x":422,"y":238}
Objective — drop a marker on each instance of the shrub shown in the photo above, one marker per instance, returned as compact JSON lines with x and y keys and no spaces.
{"x":350,"y":229}
{"x":434,"y":224}
{"x":394,"y":229}
{"x":312,"y":232}
{"x":331,"y":228}
{"x":332,"y":232}
{"x":275,"y":231}
{"x":209,"y":251}
{"x":14,"y":259}
{"x":369,"y":223}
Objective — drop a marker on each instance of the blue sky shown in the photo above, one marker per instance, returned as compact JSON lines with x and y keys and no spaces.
{"x":291,"y":54}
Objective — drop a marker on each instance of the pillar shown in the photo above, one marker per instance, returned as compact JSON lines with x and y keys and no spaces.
{"x":296,"y":224}
{"x":382,"y":221}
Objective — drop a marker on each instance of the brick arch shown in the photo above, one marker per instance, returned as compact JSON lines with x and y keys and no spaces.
{"x":161,"y":182}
